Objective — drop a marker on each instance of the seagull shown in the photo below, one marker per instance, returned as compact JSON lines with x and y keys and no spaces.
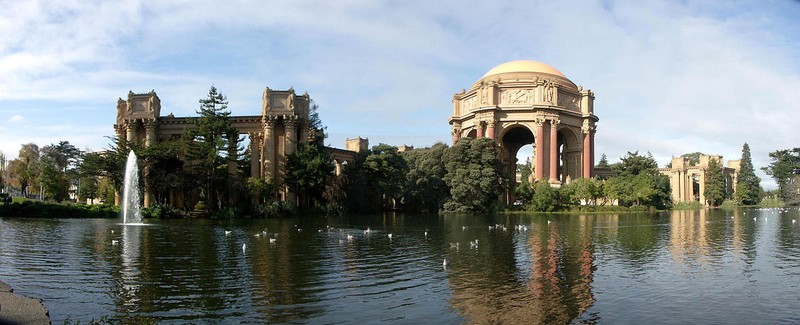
{"x":464,"y":227}
{"x":272,"y":240}
{"x":227,"y":232}
{"x":114,"y":242}
{"x":299,"y":230}
{"x":390,"y":236}
{"x":426,"y":233}
{"x":444,"y":263}
{"x":244,"y":246}
{"x":112,"y":231}
{"x":548,"y":222}
{"x":794,"y":220}
{"x":349,"y":237}
{"x":366,"y":232}
{"x":258,"y":235}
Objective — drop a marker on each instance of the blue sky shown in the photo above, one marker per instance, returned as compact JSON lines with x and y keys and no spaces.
{"x":670,"y":77}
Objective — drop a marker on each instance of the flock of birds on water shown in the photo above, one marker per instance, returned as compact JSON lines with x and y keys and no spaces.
{"x":473,"y":244}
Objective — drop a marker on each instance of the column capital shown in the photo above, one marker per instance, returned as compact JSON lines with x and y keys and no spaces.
{"x":150,"y":124}
{"x":268,"y":121}
{"x":254,"y":135}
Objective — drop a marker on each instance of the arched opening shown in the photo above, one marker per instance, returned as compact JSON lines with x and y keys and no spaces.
{"x":472,"y":134}
{"x":569,"y":155}
{"x":516,"y":144}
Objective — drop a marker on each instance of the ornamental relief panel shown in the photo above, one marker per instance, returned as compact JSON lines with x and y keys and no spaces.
{"x":569,"y":102}
{"x":470,"y":103}
{"x":516,"y":96}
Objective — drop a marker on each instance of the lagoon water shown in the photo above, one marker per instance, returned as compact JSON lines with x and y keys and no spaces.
{"x":708,"y":266}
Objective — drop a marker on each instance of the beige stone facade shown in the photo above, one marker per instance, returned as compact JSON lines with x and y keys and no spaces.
{"x":527,"y":102}
{"x":273,"y":135}
{"x":688,"y":182}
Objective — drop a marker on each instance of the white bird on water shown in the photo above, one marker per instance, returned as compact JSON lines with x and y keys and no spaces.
{"x":112,"y":231}
{"x":227,"y":232}
{"x":548,"y":222}
{"x":244,"y":246}
{"x":794,"y":220}
{"x":349,"y":237}
{"x":114,"y":242}
{"x":444,"y":263}
{"x":272,"y":240}
{"x":390,"y":236}
{"x":426,"y":233}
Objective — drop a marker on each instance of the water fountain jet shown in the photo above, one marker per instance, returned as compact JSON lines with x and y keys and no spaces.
{"x":131,"y":208}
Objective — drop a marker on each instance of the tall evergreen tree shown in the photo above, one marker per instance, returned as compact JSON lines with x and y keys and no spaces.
{"x":603,"y":161}
{"x":748,"y":187}
{"x":714,"y":191}
{"x":215,"y":145}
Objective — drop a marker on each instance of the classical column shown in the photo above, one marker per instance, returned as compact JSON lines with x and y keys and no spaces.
{"x":490,"y":129}
{"x":587,"y":154}
{"x":268,"y":151}
{"x":553,"y":151}
{"x":480,"y":130}
{"x":130,"y":127}
{"x":591,"y":149}
{"x":540,"y":143}
{"x":338,"y":167}
{"x":255,"y":154}
{"x":150,"y":127}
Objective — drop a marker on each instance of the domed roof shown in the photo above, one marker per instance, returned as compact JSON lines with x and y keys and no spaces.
{"x":523,"y":66}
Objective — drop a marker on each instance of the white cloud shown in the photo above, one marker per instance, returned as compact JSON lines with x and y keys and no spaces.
{"x":16,"y":118}
{"x":670,"y":77}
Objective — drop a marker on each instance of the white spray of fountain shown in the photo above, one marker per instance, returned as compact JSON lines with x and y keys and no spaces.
{"x":131,"y":210}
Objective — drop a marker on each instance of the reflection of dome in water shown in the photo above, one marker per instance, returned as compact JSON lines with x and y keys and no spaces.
{"x":523,"y":66}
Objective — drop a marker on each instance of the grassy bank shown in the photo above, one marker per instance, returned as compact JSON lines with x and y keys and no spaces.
{"x":37,"y":209}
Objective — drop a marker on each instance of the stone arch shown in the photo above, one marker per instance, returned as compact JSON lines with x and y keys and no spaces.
{"x":472,"y":133}
{"x":570,"y":151}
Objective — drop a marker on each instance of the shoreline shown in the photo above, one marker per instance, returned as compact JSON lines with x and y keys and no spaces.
{"x":19,"y":309}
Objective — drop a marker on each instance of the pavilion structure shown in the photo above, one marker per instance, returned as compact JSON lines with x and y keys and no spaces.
{"x":527,"y":102}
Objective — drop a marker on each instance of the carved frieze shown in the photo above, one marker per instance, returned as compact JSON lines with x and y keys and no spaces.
{"x":569,"y":102}
{"x":470,"y":103}
{"x":516,"y":96}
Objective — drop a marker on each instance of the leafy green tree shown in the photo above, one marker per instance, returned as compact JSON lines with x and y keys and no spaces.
{"x":163,"y":170}
{"x":784,"y":168}
{"x":89,"y":188}
{"x":474,"y":175}
{"x":588,"y":190}
{"x":714,"y":191}
{"x":108,"y":164}
{"x":748,"y":185}
{"x":54,"y":182}
{"x":27,"y":167}
{"x":425,"y":188}
{"x":308,"y":171}
{"x":545,"y":198}
{"x":261,"y":190}
{"x":214,"y":145}
{"x":374,"y":181}
{"x":638,"y":182}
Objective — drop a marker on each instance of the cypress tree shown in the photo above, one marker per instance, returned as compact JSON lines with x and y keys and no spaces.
{"x":748,"y":187}
{"x":714,"y":191}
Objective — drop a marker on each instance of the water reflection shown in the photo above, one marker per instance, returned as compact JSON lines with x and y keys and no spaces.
{"x":706,"y":266}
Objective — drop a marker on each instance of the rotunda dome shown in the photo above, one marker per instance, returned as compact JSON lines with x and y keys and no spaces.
{"x":523,"y":70}
{"x":524,"y":66}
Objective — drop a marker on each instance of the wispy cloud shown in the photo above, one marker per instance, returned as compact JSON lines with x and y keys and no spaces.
{"x":16,"y":118}
{"x":670,"y":77}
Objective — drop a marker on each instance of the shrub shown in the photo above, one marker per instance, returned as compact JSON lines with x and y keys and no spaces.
{"x":688,"y":205}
